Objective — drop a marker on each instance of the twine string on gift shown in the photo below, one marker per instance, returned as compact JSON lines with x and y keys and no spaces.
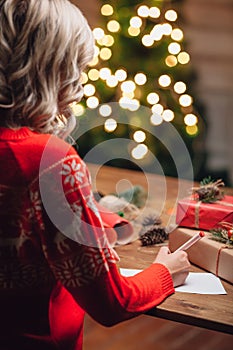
{"x":218,"y":258}
{"x":197,"y":211}
{"x":222,"y":232}
{"x":225,"y":203}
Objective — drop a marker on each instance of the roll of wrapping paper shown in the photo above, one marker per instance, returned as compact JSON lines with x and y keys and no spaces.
{"x":123,"y":228}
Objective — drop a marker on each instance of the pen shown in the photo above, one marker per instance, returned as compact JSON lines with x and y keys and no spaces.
{"x":191,"y":241}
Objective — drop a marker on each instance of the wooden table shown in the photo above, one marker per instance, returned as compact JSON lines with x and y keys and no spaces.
{"x":213,"y":312}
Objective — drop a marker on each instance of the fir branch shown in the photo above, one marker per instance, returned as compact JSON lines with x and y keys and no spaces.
{"x":223,"y":233}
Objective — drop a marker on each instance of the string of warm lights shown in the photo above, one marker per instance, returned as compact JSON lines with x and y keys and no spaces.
{"x":128,"y":87}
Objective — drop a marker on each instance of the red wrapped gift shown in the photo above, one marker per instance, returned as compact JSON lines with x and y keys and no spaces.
{"x":196,"y":214}
{"x":206,"y":253}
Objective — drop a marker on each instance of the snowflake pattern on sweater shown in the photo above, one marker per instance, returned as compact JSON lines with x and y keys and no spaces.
{"x":73,"y":172}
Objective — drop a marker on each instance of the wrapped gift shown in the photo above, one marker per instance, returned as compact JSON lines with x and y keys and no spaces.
{"x":207,"y":253}
{"x":196,"y":214}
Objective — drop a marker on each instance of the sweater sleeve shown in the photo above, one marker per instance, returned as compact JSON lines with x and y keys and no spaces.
{"x":80,"y":257}
{"x":113,"y":298}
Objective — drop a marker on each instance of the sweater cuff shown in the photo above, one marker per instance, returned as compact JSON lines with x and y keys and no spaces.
{"x":164,"y":276}
{"x":154,"y":285}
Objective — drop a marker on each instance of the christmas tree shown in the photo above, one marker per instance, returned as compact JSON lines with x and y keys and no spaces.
{"x":140,"y":60}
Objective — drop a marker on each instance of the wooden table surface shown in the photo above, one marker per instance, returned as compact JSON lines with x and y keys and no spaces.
{"x":208,"y":311}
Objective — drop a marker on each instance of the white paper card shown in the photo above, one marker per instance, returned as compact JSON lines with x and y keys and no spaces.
{"x":196,"y":282}
{"x":129,"y":272}
{"x":202,"y":283}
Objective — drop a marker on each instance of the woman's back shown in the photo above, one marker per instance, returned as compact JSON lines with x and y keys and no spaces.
{"x":26,"y":280}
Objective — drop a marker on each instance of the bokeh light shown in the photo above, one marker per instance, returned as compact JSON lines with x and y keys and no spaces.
{"x":140,"y":79}
{"x":94,"y":62}
{"x":192,"y":130}
{"x":84,"y":78}
{"x":157,"y":108}
{"x":168,"y":115}
{"x":139,"y":136}
{"x":112,"y":81}
{"x":93,"y":74}
{"x":171,"y":61}
{"x":166,"y":28}
{"x":105,"y":110}
{"x":157,"y":32}
{"x":139,"y":151}
{"x":105,"y":53}
{"x":92,"y":102}
{"x":105,"y":73}
{"x":89,"y":90}
{"x":110,"y":125}
{"x":174,"y":48}
{"x":135,"y":22}
{"x":106,"y":10}
{"x":107,"y":40}
{"x":121,"y":74}
{"x":185,"y":100}
{"x":180,"y":87}
{"x":177,"y":34}
{"x":133,"y":31}
{"x":183,"y":57}
{"x":143,"y":11}
{"x":156,"y":119}
{"x":98,"y":33}
{"x":154,"y":12}
{"x":147,"y":40}
{"x":190,"y":119}
{"x":171,"y":15}
{"x":164,"y":80}
{"x":113,"y":26}
{"x":77,"y":109}
{"x":152,"y":98}
{"x":128,"y":86}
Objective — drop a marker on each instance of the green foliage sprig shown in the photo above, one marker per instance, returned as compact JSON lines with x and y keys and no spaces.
{"x":223,"y":233}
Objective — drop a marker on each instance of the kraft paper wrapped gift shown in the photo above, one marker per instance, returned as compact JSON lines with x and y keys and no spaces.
{"x":195,"y":214}
{"x":206,"y":253}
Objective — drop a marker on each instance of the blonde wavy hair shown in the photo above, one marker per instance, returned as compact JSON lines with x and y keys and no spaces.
{"x":44,"y":46}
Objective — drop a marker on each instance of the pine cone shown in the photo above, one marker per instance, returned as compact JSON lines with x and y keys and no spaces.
{"x":154,"y":235}
{"x":209,"y":191}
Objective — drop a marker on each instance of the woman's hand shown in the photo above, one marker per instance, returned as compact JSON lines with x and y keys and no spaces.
{"x":177,"y":263}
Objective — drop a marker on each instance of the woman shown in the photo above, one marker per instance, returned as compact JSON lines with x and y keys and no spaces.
{"x":55,"y":260}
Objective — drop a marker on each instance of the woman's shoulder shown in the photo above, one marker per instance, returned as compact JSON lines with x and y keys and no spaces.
{"x":38,"y":152}
{"x":53,"y":150}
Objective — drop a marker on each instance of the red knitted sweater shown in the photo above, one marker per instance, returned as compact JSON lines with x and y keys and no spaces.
{"x":55,"y":262}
